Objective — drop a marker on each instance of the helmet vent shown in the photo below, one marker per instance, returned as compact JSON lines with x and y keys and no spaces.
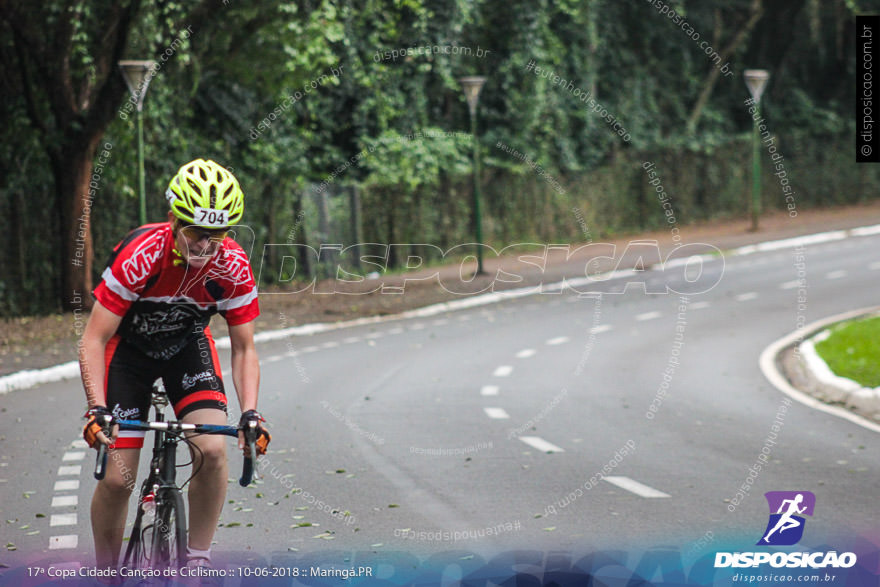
{"x":212,"y":195}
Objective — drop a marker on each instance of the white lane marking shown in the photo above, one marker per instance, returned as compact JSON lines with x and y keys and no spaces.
{"x":836,"y":274}
{"x":540,"y":444}
{"x":525,"y":353}
{"x":496,"y":413}
{"x":489,"y":390}
{"x":351,"y":339}
{"x":600,"y":328}
{"x":503,"y":371}
{"x":62,"y":520}
{"x":558,"y":340}
{"x":63,"y":542}
{"x":746,"y":296}
{"x":309,"y":349}
{"x":699,"y":305}
{"x":274,"y":359}
{"x":73,"y":456}
{"x":632,"y":486}
{"x":874,"y":266}
{"x":79,"y":444}
{"x":68,"y":485}
{"x":397,"y":330}
{"x":647,"y":316}
{"x":374,"y":335}
{"x":63,"y":501}
{"x":69,"y":470}
{"x":790,"y":284}
{"x":329,"y":344}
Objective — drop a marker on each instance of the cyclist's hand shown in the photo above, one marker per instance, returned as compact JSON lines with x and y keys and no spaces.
{"x":262,"y":436}
{"x":100,"y":428}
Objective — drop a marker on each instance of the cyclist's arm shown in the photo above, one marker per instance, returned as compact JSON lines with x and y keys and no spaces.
{"x":245,"y":365}
{"x":100,"y":328}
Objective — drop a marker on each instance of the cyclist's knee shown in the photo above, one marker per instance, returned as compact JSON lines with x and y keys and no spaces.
{"x":118,"y":482}
{"x":211,"y":453}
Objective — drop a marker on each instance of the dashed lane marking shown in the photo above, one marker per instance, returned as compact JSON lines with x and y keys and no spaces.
{"x":63,"y":501}
{"x":496,"y":413}
{"x":69,"y":470}
{"x":63,"y":542}
{"x":600,"y":328}
{"x":746,"y":296}
{"x":790,"y":284}
{"x":633,"y":486}
{"x":840,"y":273}
{"x":647,"y":316}
{"x":525,"y":353}
{"x":489,"y":390}
{"x":874,"y":266}
{"x":503,"y":371}
{"x":62,"y":520}
{"x":67,"y":485}
{"x":558,"y":340}
{"x":540,"y":444}
{"x":699,"y":305}
{"x":73,"y":456}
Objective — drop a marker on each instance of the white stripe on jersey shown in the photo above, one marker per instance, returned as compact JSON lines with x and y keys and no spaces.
{"x":237,"y":302}
{"x":116,"y":286}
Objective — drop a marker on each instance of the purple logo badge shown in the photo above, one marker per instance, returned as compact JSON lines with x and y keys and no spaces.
{"x":786,"y":524}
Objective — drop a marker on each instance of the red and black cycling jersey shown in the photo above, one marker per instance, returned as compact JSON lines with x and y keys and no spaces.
{"x":164,"y":303}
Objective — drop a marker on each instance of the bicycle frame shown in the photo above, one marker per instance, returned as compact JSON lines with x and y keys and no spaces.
{"x":160,"y":486}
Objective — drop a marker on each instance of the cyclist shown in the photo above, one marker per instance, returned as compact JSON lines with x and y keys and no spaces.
{"x":150,"y":319}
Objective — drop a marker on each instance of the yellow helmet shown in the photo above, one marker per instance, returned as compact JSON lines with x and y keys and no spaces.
{"x":204,"y":193}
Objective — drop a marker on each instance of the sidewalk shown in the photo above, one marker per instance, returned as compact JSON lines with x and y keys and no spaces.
{"x":39,"y":342}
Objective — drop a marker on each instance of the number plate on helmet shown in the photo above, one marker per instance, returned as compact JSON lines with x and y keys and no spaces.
{"x":211,"y":217}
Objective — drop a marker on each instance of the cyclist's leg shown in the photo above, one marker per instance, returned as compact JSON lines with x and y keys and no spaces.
{"x":207,"y":491}
{"x":110,"y":504}
{"x":128,"y":397}
{"x":195,"y":387}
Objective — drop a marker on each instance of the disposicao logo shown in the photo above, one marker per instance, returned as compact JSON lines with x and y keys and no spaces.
{"x":785,"y":528}
{"x":786,"y":525}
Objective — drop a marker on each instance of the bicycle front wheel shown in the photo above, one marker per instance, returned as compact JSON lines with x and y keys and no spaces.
{"x":168,"y":546}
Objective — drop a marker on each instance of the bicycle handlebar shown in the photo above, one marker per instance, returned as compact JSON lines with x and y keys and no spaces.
{"x":250,"y":458}
{"x":101,"y":457}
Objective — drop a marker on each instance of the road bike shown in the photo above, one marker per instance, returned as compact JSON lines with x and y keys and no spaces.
{"x":158,"y":539}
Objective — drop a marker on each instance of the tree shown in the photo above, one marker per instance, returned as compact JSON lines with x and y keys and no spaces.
{"x":65,"y":59}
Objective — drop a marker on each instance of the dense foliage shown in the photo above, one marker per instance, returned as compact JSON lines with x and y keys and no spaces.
{"x":345,"y":122}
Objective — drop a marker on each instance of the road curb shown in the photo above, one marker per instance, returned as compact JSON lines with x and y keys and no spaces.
{"x":770,"y":359}
{"x":831,"y":387}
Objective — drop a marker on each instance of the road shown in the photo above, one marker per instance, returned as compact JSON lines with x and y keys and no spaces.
{"x":487,"y":429}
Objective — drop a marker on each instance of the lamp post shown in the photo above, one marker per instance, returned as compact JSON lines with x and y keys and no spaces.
{"x":756,"y":80}
{"x":135,"y":75}
{"x":471,"y":86}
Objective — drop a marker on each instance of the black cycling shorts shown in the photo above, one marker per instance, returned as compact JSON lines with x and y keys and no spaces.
{"x":192,"y":378}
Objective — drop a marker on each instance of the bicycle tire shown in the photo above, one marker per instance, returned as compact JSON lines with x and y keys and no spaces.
{"x":168,"y":545}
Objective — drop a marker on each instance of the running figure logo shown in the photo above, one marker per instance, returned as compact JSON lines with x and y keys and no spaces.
{"x":786,"y":526}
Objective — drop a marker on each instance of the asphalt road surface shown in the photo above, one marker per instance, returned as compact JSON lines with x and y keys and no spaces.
{"x":489,"y":429}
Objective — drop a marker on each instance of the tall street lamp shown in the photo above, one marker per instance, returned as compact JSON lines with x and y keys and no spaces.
{"x":135,"y":74}
{"x":471,"y":87}
{"x":756,"y":80}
